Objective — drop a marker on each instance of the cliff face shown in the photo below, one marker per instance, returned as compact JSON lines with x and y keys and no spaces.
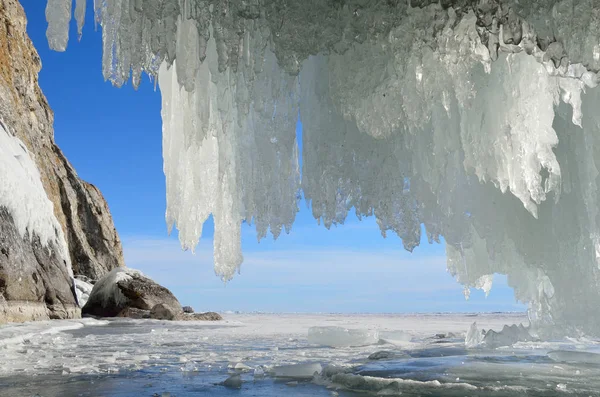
{"x":34,"y":280}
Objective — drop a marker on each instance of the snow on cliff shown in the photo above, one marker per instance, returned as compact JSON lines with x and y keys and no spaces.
{"x":22,"y":193}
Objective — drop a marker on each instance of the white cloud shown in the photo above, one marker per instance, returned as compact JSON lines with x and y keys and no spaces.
{"x":296,"y":277}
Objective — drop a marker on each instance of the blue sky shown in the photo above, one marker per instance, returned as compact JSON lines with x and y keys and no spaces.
{"x":113,"y":138}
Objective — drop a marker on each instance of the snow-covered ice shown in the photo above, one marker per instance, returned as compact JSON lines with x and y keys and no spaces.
{"x":127,"y":357}
{"x":395,"y":337}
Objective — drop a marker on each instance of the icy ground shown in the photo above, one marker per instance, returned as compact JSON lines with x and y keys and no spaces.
{"x":281,"y":354}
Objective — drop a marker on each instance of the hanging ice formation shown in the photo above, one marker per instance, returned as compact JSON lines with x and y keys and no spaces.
{"x":476,"y":118}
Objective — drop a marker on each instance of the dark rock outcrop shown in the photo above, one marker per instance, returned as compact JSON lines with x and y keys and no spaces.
{"x":128,"y":293}
{"x":34,"y":281}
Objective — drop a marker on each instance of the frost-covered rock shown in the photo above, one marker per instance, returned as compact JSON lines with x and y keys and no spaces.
{"x":123,"y":289}
{"x":83,"y":288}
{"x":207,"y":316}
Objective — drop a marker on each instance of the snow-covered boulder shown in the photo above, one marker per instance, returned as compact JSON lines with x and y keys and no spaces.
{"x":125,"y":292}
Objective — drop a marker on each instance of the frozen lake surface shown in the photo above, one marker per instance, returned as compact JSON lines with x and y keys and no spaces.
{"x":275,"y":355}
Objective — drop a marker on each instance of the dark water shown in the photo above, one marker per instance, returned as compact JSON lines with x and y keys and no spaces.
{"x":154,"y":384}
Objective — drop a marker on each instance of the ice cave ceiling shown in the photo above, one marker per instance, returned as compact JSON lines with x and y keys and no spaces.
{"x":477,"y":118}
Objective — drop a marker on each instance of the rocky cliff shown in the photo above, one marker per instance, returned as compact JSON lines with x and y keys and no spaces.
{"x":35,"y":282}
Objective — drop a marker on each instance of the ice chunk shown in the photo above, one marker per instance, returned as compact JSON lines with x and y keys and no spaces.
{"x":399,"y":386}
{"x":508,"y":336}
{"x":297,"y":371}
{"x":387,"y":355}
{"x":242,"y":367}
{"x":189,"y":366}
{"x":259,"y":372}
{"x":474,"y":336}
{"x":341,"y":337}
{"x":395,"y":337}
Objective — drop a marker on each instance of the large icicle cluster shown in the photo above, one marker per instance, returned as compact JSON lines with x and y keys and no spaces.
{"x":475,"y":118}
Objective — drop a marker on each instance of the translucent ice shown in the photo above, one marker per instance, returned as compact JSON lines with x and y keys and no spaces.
{"x":340,"y":337}
{"x":572,"y":356}
{"x":189,"y":366}
{"x":508,"y":336}
{"x":58,"y":15}
{"x":474,"y":336}
{"x":298,"y":371}
{"x":258,"y":373}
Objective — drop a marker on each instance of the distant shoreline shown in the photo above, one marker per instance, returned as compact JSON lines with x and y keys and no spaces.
{"x":376,"y":313}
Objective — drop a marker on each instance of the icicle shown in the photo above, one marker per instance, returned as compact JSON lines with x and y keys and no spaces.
{"x":58,"y":15}
{"x":80,"y":6}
